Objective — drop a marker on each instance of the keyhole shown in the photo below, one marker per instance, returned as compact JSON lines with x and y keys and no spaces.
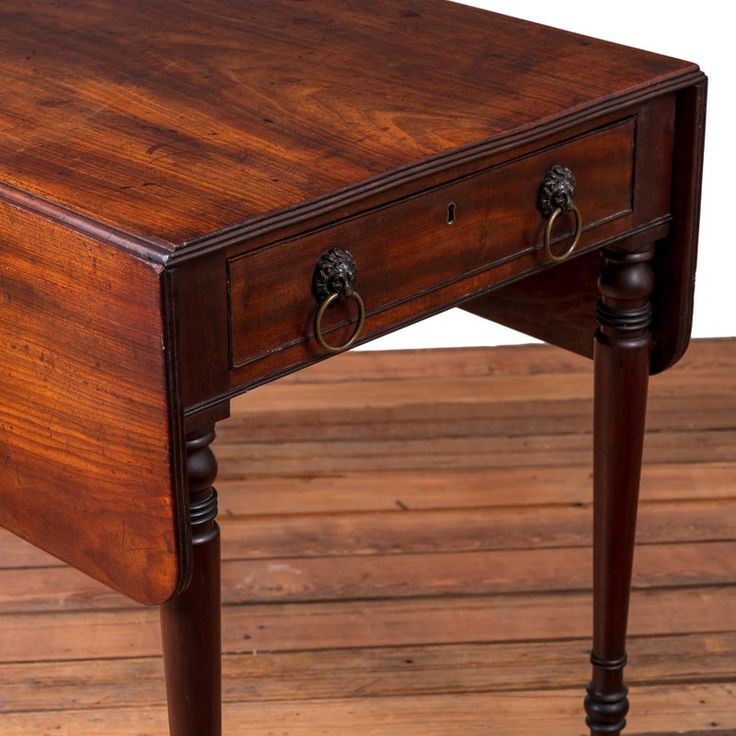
{"x":451,"y":213}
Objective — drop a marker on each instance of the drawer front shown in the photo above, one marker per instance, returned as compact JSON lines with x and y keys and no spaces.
{"x":418,"y":245}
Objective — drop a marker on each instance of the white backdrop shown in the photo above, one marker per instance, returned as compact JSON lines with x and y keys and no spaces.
{"x":698,"y":32}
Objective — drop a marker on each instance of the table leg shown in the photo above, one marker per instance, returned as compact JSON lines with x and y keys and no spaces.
{"x":622,"y":356}
{"x":190,"y":622}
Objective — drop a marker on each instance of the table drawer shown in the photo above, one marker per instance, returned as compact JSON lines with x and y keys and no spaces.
{"x":421,"y":243}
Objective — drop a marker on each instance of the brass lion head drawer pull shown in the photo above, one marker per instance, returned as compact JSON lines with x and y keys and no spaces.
{"x":334,"y":276}
{"x":555,"y":196}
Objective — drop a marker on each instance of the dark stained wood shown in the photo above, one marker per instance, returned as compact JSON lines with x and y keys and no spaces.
{"x":160,"y":159}
{"x":569,"y":300}
{"x":497,"y":230}
{"x":623,"y":347}
{"x":190,"y":622}
{"x":199,"y":290}
{"x":499,"y":237}
{"x":675,"y":263}
{"x":86,"y":444}
{"x":172,"y":120}
{"x":495,"y":220}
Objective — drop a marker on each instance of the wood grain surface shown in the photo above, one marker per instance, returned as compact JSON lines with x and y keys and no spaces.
{"x":409,"y":249}
{"x":132,"y":128}
{"x":86,"y":447}
{"x":145,"y":143}
{"x":171,"y":120}
{"x":568,"y":300}
{"x":411,"y":596}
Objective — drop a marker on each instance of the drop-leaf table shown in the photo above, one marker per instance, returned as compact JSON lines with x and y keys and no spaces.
{"x":200,"y":197}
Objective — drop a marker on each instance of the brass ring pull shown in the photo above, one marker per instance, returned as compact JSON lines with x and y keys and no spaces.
{"x":554,"y":197}
{"x":321,"y":313}
{"x":548,"y":233}
{"x":333,"y":279}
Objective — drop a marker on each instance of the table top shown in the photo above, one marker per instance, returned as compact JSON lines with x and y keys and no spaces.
{"x":173,"y":120}
{"x":172,"y":172}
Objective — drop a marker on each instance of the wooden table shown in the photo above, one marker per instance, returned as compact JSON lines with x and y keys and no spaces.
{"x":198,"y":198}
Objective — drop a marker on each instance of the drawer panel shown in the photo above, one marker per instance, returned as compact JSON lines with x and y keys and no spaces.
{"x":421,"y":243}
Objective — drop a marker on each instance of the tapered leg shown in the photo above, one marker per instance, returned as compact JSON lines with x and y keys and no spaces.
{"x":622,"y":355}
{"x":190,"y":623}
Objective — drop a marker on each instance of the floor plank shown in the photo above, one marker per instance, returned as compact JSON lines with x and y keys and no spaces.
{"x":312,"y":457}
{"x":423,"y":491}
{"x":553,"y":712}
{"x":61,"y":635}
{"x":370,"y":671}
{"x":391,"y":576}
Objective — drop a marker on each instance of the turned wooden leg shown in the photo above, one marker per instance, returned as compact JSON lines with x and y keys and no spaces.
{"x":190,"y":622}
{"x":622,"y":355}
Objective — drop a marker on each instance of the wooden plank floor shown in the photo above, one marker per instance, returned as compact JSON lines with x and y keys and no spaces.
{"x":407,"y":551}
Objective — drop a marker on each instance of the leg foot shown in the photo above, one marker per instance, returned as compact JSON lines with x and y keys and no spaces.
{"x":607,"y":708}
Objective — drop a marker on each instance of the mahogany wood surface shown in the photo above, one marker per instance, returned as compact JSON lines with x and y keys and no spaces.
{"x":86,"y":451}
{"x":173,"y":120}
{"x":126,"y":137}
{"x":409,"y":248}
{"x":411,"y":264}
{"x":568,"y":300}
{"x":171,"y":171}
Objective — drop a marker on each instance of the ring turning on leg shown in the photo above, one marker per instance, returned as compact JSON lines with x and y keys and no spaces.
{"x":622,"y":357}
{"x":190,"y":622}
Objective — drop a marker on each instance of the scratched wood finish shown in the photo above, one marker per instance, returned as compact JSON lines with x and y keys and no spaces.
{"x":471,"y":631}
{"x":85,"y":438}
{"x":171,"y":120}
